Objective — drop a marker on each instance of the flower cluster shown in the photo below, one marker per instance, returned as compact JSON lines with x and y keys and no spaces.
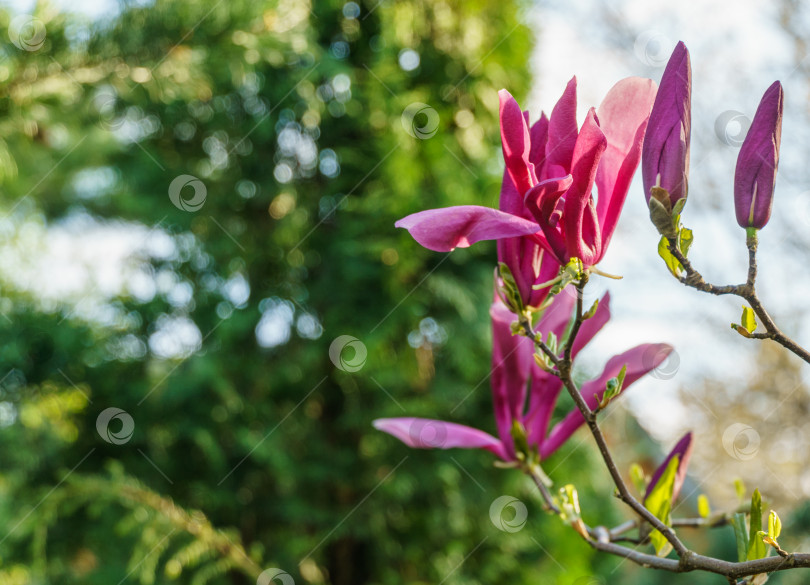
{"x":547,"y":217}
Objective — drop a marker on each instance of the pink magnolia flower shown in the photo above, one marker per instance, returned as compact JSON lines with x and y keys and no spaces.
{"x":514,"y":374}
{"x":553,"y":167}
{"x":755,"y":176}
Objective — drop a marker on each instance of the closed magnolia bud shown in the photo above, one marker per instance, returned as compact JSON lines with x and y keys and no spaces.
{"x":755,"y":175}
{"x":665,"y":154}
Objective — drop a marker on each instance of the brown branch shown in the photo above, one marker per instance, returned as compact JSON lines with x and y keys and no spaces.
{"x":694,"y":279}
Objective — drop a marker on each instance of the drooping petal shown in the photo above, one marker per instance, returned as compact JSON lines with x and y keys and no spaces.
{"x":562,"y":133}
{"x":665,"y":153}
{"x":683,"y":449}
{"x":639,"y":360}
{"x":516,"y":142}
{"x":590,"y":145}
{"x":447,"y":228}
{"x":623,"y":117}
{"x":544,"y":390}
{"x":425,"y":433}
{"x":755,"y":175}
{"x":511,"y":364}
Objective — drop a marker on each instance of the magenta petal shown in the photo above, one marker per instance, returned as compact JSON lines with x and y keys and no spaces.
{"x":511,"y":364}
{"x":665,"y":153}
{"x":425,"y":433}
{"x":516,"y":142}
{"x":590,"y":145}
{"x":684,"y":450}
{"x":623,"y":117}
{"x":447,"y":228}
{"x":639,"y":360}
{"x":539,"y":137}
{"x":542,"y":202}
{"x":543,"y":393}
{"x":562,"y":132}
{"x":755,"y":175}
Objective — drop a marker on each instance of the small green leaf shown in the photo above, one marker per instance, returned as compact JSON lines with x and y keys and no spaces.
{"x":672,"y":263}
{"x":703,"y":506}
{"x":613,"y":388}
{"x":592,"y":311}
{"x":756,"y":548}
{"x":659,"y":502}
{"x":685,"y":239}
{"x":661,"y":212}
{"x":748,"y":320}
{"x":569,"y":503}
{"x":508,"y":289}
{"x":774,"y":525}
{"x":521,"y":443}
{"x":741,"y":534}
{"x":739,"y":487}
{"x":678,"y":207}
{"x":638,"y":477}
{"x":551,"y":342}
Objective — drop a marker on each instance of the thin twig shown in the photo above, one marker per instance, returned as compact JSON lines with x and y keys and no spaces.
{"x":694,"y":279}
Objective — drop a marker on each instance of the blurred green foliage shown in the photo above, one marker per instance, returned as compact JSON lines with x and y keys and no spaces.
{"x":291,"y":116}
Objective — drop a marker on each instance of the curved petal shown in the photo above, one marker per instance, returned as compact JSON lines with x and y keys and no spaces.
{"x":591,"y":143}
{"x":425,"y":433}
{"x":683,"y":449}
{"x":516,"y":142}
{"x":623,"y":117}
{"x":511,"y":364}
{"x":543,"y":393}
{"x":543,"y":202}
{"x":447,"y":228}
{"x":639,"y":360}
{"x":539,"y":137}
{"x":562,"y":133}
